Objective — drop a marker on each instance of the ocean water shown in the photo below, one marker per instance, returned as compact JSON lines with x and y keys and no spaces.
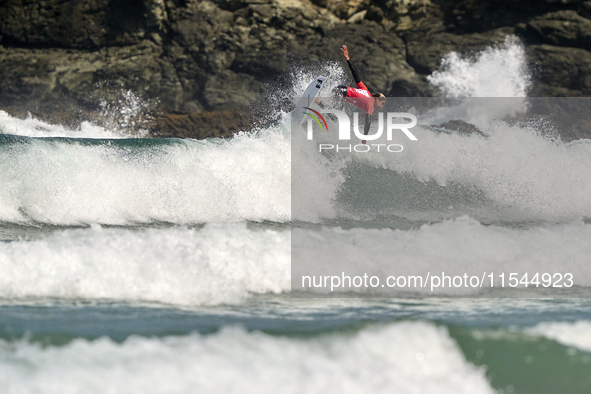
{"x":134,"y":265}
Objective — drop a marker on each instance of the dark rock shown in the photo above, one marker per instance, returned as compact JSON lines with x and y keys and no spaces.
{"x":77,"y":24}
{"x":425,"y":52}
{"x":562,"y":28}
{"x":379,"y":55}
{"x":55,"y":78}
{"x":344,"y":9}
{"x":564,"y":71}
{"x":476,"y":16}
{"x":227,"y":90}
{"x":60,"y":56}
{"x":200,"y":125}
{"x":416,"y":15}
{"x":461,"y":127}
{"x":404,"y":88}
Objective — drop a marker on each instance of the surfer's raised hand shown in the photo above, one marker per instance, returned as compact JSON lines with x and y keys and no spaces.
{"x":345,"y":52}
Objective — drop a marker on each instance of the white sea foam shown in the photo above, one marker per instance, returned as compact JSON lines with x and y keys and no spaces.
{"x":221,"y":263}
{"x":454,"y":247}
{"x":409,"y":357}
{"x":60,"y":182}
{"x":250,"y":177}
{"x":517,"y":168}
{"x":33,"y":127}
{"x":576,"y":334}
{"x":301,"y":78}
{"x":123,"y":118}
{"x":498,"y":71}
{"x":226,"y":263}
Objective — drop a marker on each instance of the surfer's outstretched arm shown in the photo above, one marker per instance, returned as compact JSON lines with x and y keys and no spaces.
{"x":354,"y":71}
{"x":351,"y":66}
{"x":367,"y":123}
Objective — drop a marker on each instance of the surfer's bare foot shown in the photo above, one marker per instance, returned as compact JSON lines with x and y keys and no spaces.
{"x":319,"y":102}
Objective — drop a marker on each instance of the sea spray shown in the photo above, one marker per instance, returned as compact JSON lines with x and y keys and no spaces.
{"x":33,"y":127}
{"x":516,"y":170}
{"x":498,"y":71}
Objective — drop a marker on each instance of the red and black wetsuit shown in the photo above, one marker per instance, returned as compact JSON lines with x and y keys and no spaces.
{"x":359,"y":96}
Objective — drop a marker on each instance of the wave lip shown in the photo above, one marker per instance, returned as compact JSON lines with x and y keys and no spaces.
{"x":576,"y":334}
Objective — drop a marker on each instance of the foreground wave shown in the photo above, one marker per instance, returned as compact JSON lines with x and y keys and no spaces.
{"x":403,"y":356}
{"x":415,"y":356}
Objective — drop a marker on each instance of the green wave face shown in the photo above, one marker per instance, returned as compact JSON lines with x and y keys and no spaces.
{"x":519,"y":363}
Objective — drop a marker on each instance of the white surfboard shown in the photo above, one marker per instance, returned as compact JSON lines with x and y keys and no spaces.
{"x":305,"y":100}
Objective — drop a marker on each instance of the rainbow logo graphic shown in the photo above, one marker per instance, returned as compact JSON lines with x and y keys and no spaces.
{"x":315,"y":118}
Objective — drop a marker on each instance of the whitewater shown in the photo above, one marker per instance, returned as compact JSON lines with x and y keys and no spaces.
{"x":142,"y":265}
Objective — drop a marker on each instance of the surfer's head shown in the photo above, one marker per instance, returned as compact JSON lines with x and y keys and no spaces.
{"x":380,"y":100}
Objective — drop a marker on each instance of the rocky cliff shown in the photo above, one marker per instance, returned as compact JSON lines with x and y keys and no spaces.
{"x":202,"y":63}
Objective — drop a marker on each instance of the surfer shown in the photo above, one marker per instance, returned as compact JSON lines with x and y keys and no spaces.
{"x":359,"y":96}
